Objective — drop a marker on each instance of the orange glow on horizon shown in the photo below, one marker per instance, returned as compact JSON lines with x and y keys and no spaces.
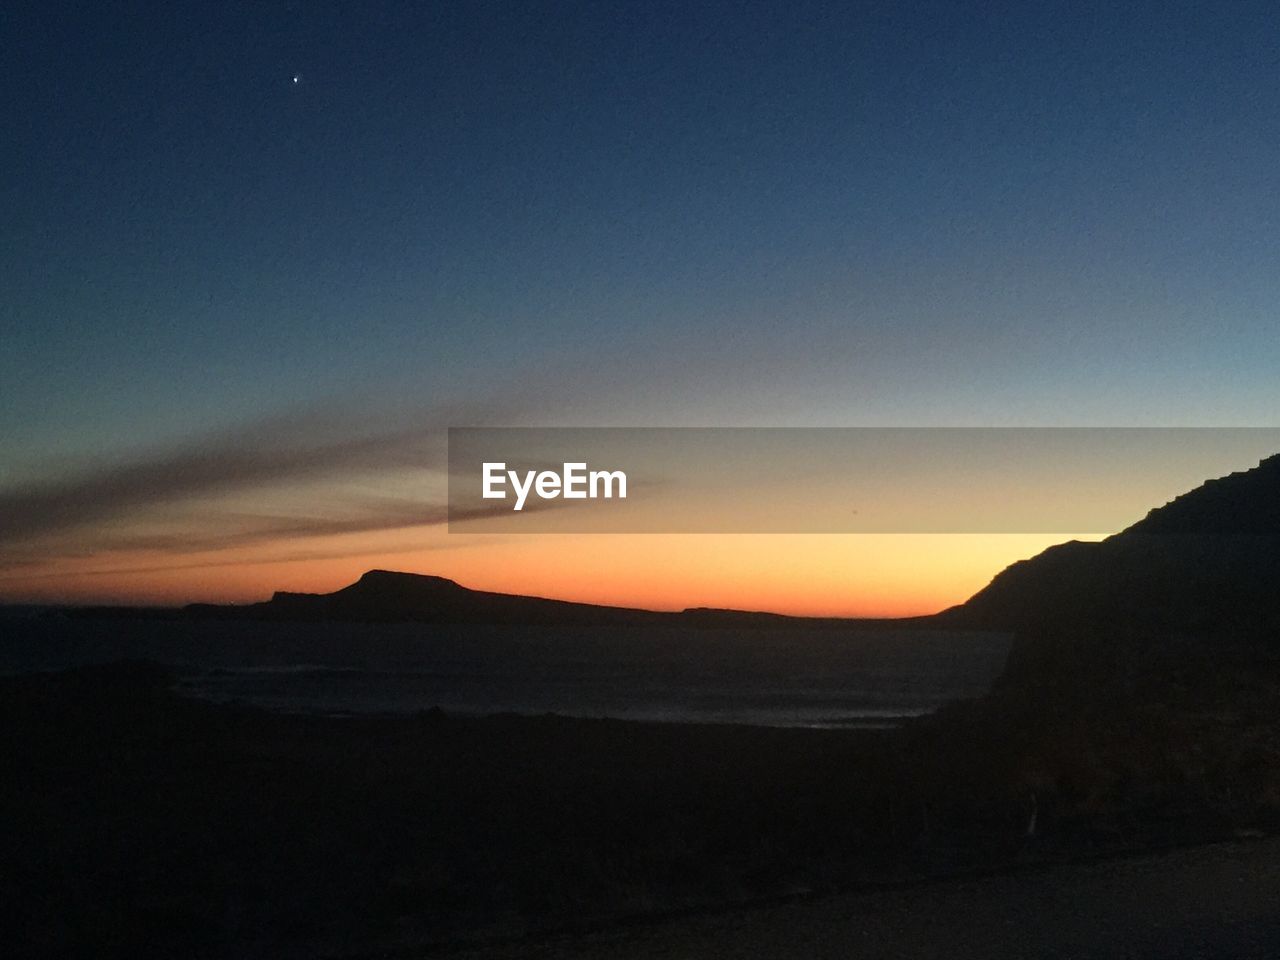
{"x":809,"y":575}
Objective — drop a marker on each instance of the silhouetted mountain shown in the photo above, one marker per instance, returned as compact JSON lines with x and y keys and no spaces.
{"x":1208,"y":561}
{"x":383,"y":596}
{"x":1246,"y":503}
{"x":1144,"y":673}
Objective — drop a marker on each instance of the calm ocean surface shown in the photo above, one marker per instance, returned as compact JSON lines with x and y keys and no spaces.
{"x":804,"y":677}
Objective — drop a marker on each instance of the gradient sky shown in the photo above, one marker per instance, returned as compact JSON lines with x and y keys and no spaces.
{"x":238,"y":308}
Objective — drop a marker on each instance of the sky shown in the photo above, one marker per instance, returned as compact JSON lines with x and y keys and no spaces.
{"x":257,"y":256}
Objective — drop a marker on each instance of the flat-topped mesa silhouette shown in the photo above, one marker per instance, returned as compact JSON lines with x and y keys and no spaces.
{"x":1206,"y":564}
{"x":385,"y":596}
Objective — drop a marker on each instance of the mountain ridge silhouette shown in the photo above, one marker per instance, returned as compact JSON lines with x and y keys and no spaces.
{"x":1207,"y":561}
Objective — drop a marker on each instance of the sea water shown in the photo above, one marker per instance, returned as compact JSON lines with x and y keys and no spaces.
{"x":776,"y":676}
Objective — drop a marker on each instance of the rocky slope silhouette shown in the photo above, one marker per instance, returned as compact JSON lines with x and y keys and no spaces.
{"x":1208,"y":562}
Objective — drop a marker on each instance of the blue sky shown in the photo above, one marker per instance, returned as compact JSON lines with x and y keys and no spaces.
{"x":655,"y":213}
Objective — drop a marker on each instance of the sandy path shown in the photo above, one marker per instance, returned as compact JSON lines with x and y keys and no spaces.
{"x":1220,"y":901}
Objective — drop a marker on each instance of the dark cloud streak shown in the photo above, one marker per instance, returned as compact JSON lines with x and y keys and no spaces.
{"x":209,"y":469}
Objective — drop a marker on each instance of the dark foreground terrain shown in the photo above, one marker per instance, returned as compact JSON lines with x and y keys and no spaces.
{"x":140,"y":823}
{"x":1216,"y":902}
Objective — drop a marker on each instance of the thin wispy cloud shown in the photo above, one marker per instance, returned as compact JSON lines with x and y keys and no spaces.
{"x":270,"y":453}
{"x":204,"y":550}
